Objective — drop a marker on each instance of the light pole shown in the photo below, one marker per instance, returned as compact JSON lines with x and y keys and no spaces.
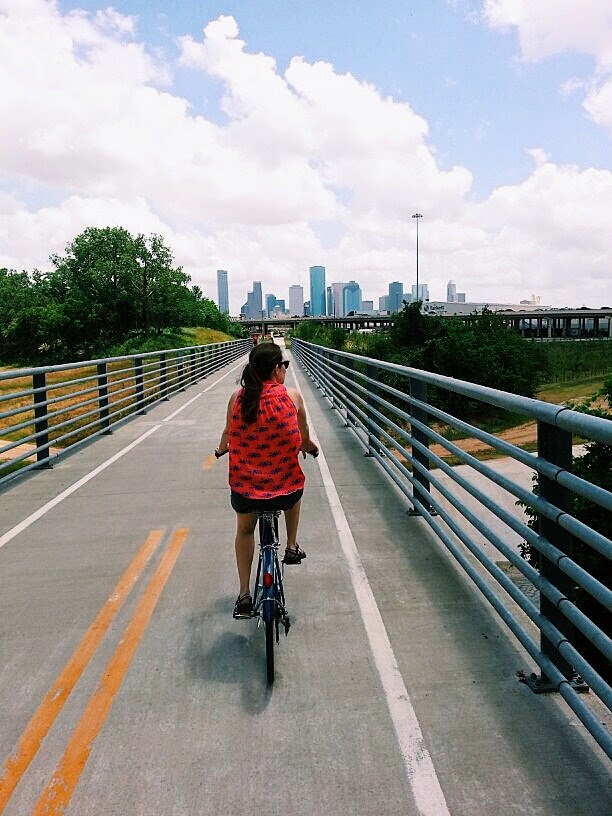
{"x":417,"y":216}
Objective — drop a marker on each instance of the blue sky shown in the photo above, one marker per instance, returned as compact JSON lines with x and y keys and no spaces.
{"x":277,"y":135}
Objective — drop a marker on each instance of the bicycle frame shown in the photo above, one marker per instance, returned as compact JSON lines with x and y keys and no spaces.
{"x":269,"y":595}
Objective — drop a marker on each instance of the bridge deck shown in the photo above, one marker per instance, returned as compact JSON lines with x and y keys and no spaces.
{"x":183,"y":723}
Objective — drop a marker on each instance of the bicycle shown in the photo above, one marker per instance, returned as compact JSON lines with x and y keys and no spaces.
{"x":269,"y":595}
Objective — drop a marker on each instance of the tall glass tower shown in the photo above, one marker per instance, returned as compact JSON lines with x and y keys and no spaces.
{"x":396,"y":295}
{"x":317,"y":291}
{"x":351,"y":297}
{"x":222,"y":292}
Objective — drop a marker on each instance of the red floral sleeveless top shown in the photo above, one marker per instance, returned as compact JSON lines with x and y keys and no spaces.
{"x":263,"y":456}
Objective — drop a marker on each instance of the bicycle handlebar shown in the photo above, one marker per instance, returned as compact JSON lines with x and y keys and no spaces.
{"x":219,"y":454}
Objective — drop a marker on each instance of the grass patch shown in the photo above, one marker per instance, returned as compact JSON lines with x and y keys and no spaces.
{"x":578,"y":388}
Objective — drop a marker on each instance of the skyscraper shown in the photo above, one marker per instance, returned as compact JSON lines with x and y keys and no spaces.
{"x":257,"y":299}
{"x":451,"y":292}
{"x":254,"y":302}
{"x":396,"y":295}
{"x":317,"y":291}
{"x":337,"y":299}
{"x":422,"y":294}
{"x":351,"y":297}
{"x":270,"y":304}
{"x":222,"y":291}
{"x":296,"y":300}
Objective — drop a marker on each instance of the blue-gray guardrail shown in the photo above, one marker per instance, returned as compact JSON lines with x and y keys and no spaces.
{"x":393,"y":425}
{"x":48,"y":411}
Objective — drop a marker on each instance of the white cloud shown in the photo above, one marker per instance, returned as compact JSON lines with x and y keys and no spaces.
{"x":549,"y":27}
{"x":307,"y":166}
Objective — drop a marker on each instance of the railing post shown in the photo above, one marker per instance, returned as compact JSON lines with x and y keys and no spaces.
{"x":418,"y":390}
{"x":139,"y":386}
{"x":192,"y":366}
{"x":201,"y":372}
{"x":349,"y":363}
{"x":180,"y":371}
{"x":39,"y":384}
{"x":163,"y":376}
{"x":555,"y":445}
{"x":207,"y":360}
{"x":373,"y":439}
{"x":103,"y":397}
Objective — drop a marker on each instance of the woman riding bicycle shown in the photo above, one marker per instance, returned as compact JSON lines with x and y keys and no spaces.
{"x":265,"y":431}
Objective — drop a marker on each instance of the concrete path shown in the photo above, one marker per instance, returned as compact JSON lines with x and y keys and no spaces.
{"x":127,"y":689}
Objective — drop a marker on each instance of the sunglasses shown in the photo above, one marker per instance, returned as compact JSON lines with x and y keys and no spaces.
{"x":285,"y":364}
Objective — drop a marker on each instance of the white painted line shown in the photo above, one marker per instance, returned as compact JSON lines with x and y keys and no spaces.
{"x":37,"y":514}
{"x":72,"y":489}
{"x":420,"y":771}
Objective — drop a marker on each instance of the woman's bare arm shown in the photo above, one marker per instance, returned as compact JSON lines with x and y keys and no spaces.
{"x":307,"y":446}
{"x":223,"y":446}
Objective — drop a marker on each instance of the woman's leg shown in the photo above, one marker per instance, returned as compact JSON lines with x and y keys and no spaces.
{"x":292,"y":519}
{"x":245,"y":546}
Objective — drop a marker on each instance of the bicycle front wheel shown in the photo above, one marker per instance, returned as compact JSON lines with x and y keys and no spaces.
{"x":270,"y":651}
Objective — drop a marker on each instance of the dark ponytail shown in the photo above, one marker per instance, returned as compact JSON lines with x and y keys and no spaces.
{"x":263,"y":359}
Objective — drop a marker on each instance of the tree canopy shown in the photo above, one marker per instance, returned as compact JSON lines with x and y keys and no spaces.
{"x":107,"y":286}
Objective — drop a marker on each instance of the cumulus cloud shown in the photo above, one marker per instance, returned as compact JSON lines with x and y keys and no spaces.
{"x":549,"y":27}
{"x":302,"y":165}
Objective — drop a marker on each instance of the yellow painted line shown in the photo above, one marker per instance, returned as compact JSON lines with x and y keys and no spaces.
{"x":56,"y":796}
{"x":51,"y":705}
{"x":208,"y":462}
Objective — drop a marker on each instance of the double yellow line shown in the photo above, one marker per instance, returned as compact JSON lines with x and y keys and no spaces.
{"x":57,"y":793}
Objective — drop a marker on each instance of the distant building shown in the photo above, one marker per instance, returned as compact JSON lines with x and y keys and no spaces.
{"x":222,"y":291}
{"x":257,"y":300}
{"x":452,"y":295}
{"x":337,"y":299}
{"x":383,"y":303}
{"x":296,"y":300}
{"x":329,"y":302}
{"x":422,"y":294}
{"x":253,"y":307}
{"x":270,"y":304}
{"x":367,"y":305}
{"x":351,"y":297}
{"x":306,"y":308}
{"x":317,"y":290}
{"x":396,"y":296}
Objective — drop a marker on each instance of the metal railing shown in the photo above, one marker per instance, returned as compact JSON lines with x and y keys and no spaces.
{"x":47,"y":411}
{"x":386,"y":406}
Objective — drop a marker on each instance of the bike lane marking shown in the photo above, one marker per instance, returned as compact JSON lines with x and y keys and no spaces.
{"x":37,"y":514}
{"x":57,"y":794}
{"x":418,"y":765}
{"x":51,"y":705}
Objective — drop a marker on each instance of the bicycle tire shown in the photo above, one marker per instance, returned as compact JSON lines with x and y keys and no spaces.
{"x":270,"y":651}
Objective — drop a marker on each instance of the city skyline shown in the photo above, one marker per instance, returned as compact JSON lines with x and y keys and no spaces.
{"x":341,"y":297}
{"x":266,"y":136}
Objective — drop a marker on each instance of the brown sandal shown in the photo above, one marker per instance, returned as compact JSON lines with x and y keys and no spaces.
{"x":243,"y":608}
{"x":294,"y":556}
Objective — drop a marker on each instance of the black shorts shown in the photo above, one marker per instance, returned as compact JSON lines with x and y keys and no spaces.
{"x":242,"y":504}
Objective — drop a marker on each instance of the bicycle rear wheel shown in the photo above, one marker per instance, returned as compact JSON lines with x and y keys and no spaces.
{"x":270,"y":651}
